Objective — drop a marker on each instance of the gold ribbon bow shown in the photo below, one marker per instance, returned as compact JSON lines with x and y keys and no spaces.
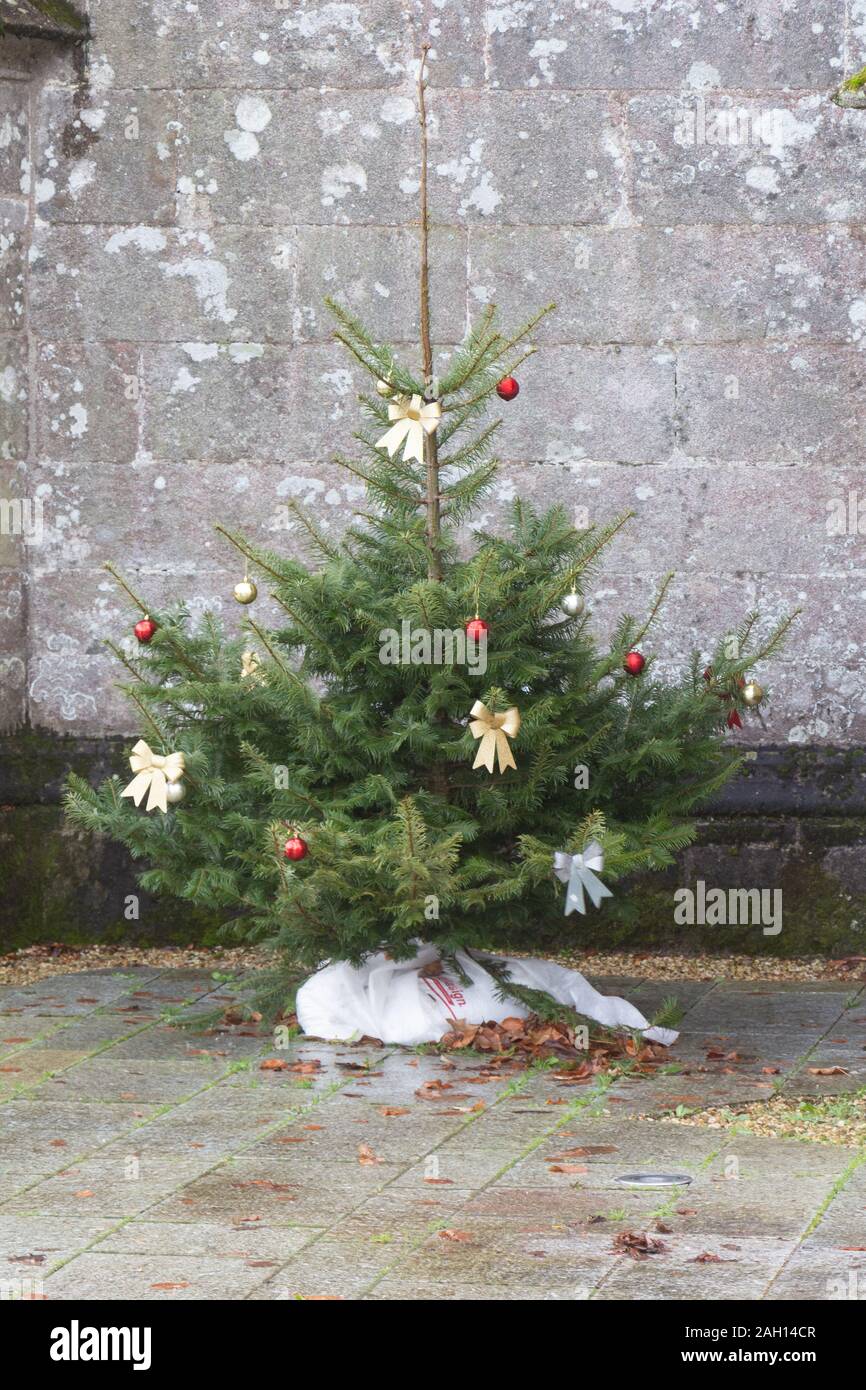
{"x":494,"y":730}
{"x":153,"y":771}
{"x":414,"y":418}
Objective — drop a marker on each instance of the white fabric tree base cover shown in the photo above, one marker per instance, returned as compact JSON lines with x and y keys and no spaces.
{"x":394,"y":1001}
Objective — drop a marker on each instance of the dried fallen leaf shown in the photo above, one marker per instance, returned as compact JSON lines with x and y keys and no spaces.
{"x":828,"y":1071}
{"x":638,"y":1245}
{"x":708,"y":1258}
{"x":366,"y":1156}
{"x":273,"y":1064}
{"x":394,"y":1110}
{"x":180,"y":1285}
{"x":462,"y":1236}
{"x":432,"y":1090}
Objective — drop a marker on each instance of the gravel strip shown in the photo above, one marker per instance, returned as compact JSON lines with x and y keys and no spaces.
{"x":39,"y":962}
{"x":33,"y":963}
{"x":836,"y":1120}
{"x":662,"y":965}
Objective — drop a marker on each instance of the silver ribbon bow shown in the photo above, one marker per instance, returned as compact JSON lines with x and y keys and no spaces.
{"x":579,"y":872}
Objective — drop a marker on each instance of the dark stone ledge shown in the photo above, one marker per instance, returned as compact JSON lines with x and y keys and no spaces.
{"x":795,"y":821}
{"x":777,"y":780}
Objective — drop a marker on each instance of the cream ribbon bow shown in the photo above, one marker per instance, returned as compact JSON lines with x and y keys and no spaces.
{"x":579,"y":872}
{"x":153,"y":771}
{"x":494,"y":730}
{"x":414,"y":418}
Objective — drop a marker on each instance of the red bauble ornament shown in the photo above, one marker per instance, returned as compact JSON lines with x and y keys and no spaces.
{"x":508,"y":388}
{"x":476,"y":628}
{"x":145,"y":629}
{"x":295,"y":847}
{"x":634,"y":663}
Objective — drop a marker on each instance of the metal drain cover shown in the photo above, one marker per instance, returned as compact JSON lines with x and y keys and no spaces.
{"x":653,"y":1179}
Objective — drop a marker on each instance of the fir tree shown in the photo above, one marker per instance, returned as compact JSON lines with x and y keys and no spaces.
{"x":370,"y":761}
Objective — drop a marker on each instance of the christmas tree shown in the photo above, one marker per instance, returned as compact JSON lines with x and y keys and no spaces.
{"x":398,"y":760}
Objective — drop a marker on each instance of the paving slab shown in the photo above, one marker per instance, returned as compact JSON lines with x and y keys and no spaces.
{"x":140,"y":1159}
{"x":33,"y":1129}
{"x":29,"y":1069}
{"x":744,"y":1011}
{"x":90,"y":1032}
{"x":697,"y":1268}
{"x":116,"y":1187}
{"x":16,"y":1034}
{"x":42,"y":1242}
{"x":95,"y":1275}
{"x":114,"y":1079}
{"x":76,"y":994}
{"x":842,"y":1225}
{"x":211,"y":1240}
{"x":817,"y":1274}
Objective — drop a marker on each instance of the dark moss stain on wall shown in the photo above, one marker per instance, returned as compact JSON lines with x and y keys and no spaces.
{"x":796,"y":821}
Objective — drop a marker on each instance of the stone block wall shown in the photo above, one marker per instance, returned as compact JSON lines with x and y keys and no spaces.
{"x":15,"y":232}
{"x":675,"y":176}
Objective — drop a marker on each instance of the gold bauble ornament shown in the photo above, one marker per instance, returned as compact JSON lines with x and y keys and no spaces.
{"x":753,"y":694}
{"x":384,"y":388}
{"x":245,"y":591}
{"x":174,"y":792}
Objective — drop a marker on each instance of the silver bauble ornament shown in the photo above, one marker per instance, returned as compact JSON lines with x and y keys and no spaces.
{"x":245,"y":591}
{"x":573,"y":604}
{"x":174,"y":792}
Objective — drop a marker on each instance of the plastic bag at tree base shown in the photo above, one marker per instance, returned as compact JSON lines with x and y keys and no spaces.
{"x":394,"y":1001}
